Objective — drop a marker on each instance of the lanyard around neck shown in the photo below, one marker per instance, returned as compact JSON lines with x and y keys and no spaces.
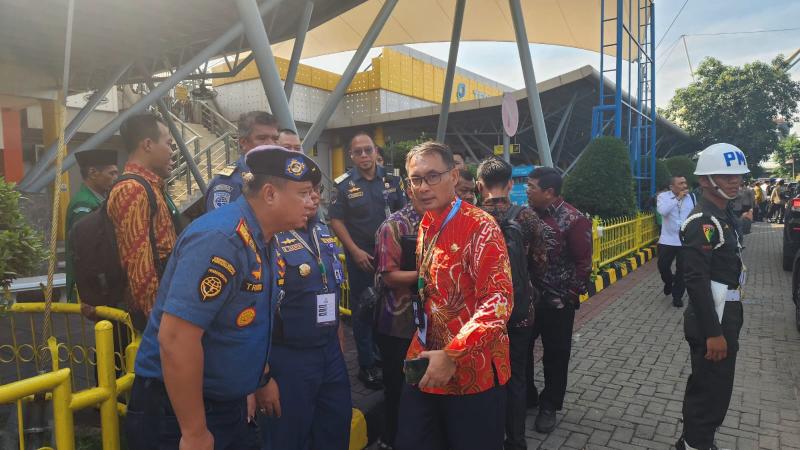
{"x":427,"y":255}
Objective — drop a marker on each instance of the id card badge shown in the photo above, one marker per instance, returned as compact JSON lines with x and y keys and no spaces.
{"x":326,"y":309}
{"x":423,"y":331}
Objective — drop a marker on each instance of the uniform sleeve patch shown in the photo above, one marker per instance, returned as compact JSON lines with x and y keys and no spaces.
{"x":246,"y":317}
{"x":212,"y":284}
{"x":221,"y":198}
{"x":252,"y":287}
{"x":224,"y":263}
{"x":708,"y":232}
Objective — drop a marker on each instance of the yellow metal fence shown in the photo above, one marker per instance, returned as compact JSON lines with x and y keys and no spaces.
{"x":93,"y":374}
{"x":613,"y":239}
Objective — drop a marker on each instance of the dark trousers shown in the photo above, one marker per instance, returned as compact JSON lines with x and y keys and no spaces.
{"x":667,"y":254}
{"x":393,"y":353}
{"x":554,"y":327}
{"x":776,"y":212}
{"x":363,"y":315}
{"x":709,"y":389}
{"x":517,"y":388}
{"x":151,"y":423}
{"x":451,"y":422}
{"x":315,"y":399}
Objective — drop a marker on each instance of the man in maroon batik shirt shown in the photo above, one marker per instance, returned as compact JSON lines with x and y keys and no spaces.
{"x":569,"y":264}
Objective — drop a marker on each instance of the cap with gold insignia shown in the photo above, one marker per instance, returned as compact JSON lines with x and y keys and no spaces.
{"x":276,"y":161}
{"x":96,"y":158}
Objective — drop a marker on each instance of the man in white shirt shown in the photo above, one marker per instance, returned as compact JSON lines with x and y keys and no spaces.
{"x":674,"y":205}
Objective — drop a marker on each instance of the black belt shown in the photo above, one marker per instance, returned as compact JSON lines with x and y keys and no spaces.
{"x":152,"y":389}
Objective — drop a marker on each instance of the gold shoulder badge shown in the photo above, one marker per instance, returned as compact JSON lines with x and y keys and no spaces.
{"x":341,"y":178}
{"x":224,"y":263}
{"x":211,"y":284}
{"x":246,"y":317}
{"x":227,"y":171}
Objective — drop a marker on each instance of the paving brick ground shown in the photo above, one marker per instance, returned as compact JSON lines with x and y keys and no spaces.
{"x":630,"y":364}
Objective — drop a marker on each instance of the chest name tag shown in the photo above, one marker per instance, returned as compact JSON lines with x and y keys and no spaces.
{"x":326,"y":309}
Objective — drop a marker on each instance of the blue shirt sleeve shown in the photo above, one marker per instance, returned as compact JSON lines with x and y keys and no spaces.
{"x":337,"y":207}
{"x":221,"y":191}
{"x":202,"y":281}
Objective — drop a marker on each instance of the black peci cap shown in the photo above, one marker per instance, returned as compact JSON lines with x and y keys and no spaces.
{"x":277,"y":161}
{"x":96,"y":158}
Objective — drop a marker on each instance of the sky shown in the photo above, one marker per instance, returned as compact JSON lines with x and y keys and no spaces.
{"x":491,"y":59}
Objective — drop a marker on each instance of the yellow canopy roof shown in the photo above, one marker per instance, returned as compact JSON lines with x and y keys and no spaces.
{"x":571,"y":23}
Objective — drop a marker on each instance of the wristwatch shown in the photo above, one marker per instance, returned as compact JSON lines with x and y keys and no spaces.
{"x":265,"y":377}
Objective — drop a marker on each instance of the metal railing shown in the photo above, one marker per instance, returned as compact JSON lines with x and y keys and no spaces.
{"x":66,"y":390}
{"x":214,"y":121}
{"x":613,"y":239}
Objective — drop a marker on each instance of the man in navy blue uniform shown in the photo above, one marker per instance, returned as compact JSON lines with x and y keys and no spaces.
{"x":306,"y":361}
{"x":365,"y":197}
{"x":206,"y":344}
{"x":255,"y":128}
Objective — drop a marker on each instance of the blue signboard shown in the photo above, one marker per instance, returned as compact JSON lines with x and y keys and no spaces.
{"x":519,"y":174}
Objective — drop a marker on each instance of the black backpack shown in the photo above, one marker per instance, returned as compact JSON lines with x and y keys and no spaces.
{"x":99,"y":275}
{"x":518,"y":259}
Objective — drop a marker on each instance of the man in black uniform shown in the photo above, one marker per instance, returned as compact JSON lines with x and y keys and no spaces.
{"x":365,"y":197}
{"x":714,"y":275}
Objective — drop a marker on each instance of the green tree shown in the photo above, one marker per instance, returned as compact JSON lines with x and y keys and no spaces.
{"x":662,"y":174}
{"x":21,"y":250}
{"x":682,"y":166}
{"x":396,"y":152}
{"x":738,"y":105}
{"x":601,"y":183}
{"x":786,"y":155}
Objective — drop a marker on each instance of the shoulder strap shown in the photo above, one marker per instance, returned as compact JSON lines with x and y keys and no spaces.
{"x":151,"y":200}
{"x":512,"y":213}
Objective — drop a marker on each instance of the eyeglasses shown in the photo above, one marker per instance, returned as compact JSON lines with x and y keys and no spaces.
{"x":431,"y":179}
{"x":362,"y":151}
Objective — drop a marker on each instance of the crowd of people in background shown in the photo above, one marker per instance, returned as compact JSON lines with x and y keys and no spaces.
{"x":450,"y":287}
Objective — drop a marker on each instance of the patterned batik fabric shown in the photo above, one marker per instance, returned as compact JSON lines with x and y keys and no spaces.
{"x":129,"y":210}
{"x":468,"y":299}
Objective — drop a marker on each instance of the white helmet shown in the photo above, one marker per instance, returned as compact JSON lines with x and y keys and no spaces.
{"x":721,"y":159}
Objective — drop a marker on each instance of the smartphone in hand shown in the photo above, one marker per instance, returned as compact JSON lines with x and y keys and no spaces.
{"x":414,"y":369}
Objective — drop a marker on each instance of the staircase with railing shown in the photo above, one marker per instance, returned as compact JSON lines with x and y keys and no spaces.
{"x":212,"y":144}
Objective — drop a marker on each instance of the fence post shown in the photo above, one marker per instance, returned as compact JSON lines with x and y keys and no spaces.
{"x":106,"y":379}
{"x":595,"y":244}
{"x":63,"y":425}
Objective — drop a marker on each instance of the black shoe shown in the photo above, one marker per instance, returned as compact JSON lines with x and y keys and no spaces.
{"x":371,"y":378}
{"x":681,"y":445}
{"x":676,"y":302}
{"x":667,"y":289}
{"x":545,"y":421}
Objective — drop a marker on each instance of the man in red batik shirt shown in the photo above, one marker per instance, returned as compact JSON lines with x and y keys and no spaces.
{"x":465,"y":299}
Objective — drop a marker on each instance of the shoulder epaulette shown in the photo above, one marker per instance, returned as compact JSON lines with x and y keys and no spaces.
{"x":713,"y":219}
{"x":342,"y":177}
{"x":227,"y":171}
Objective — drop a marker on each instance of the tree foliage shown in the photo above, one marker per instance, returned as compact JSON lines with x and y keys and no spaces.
{"x":396,"y":152}
{"x":742,"y":106}
{"x":786,"y":155}
{"x":601,"y":183}
{"x":21,"y":248}
{"x":682,"y":166}
{"x":662,"y":174}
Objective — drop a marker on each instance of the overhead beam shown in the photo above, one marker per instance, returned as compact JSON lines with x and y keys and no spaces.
{"x":213,"y":49}
{"x":265,"y":60}
{"x":347,"y":77}
{"x":534,"y":102}
{"x":297,"y":50}
{"x":73,"y":126}
{"x":466,"y":146}
{"x":560,"y":131}
{"x":455,"y":40}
